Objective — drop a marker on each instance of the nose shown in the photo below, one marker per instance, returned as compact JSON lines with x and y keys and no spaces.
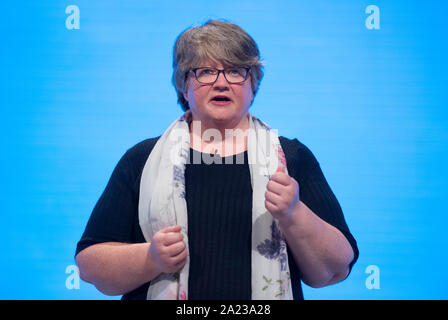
{"x":221,"y":83}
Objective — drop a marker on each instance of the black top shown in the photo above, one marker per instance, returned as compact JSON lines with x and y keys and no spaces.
{"x":219,"y":205}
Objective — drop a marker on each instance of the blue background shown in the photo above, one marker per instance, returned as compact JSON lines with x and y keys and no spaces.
{"x":370,"y":104}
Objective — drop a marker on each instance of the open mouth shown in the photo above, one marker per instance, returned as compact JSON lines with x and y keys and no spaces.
{"x":221,"y":100}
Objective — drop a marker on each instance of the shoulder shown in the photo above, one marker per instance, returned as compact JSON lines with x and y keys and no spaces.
{"x":299,"y":158}
{"x":133,"y":161}
{"x":297,"y":150}
{"x":140,"y":152}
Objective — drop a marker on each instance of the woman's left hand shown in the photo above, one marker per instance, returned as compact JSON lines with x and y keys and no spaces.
{"x":282,"y":195}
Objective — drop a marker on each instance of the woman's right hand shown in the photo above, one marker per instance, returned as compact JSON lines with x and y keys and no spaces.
{"x":168,"y":249}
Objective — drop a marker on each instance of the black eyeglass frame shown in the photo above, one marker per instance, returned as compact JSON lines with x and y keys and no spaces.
{"x":217,"y":75}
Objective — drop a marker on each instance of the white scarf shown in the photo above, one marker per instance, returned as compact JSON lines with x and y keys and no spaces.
{"x":162,"y":204}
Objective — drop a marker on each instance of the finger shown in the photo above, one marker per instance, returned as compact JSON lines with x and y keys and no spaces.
{"x":175,"y":228}
{"x":275,"y":187}
{"x":180,"y":258}
{"x":171,"y":238}
{"x":178,"y":266}
{"x":281,"y":177}
{"x":273,"y":198}
{"x":176,"y":248}
{"x":270,"y":206}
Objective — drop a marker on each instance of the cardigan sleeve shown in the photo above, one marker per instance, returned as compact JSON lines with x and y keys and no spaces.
{"x":316,"y":193}
{"x":115,"y":215}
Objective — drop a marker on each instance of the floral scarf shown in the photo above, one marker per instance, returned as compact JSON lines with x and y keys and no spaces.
{"x":162,"y":204}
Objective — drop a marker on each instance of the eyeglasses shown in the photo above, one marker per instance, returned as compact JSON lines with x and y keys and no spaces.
{"x":209,"y":75}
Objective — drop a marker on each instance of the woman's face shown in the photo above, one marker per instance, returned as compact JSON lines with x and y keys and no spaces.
{"x":212,"y":112}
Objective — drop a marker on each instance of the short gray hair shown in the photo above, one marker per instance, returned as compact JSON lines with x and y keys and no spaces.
{"x":220,"y":41}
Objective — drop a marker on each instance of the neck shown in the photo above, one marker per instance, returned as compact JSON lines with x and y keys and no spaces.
{"x":225,"y":139}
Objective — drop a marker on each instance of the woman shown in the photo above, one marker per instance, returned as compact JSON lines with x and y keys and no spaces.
{"x":219,"y":206}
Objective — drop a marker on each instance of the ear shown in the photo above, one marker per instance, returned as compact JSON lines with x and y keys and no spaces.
{"x":252,"y":99}
{"x":184,"y":92}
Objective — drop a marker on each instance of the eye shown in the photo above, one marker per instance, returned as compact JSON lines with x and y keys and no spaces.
{"x":234,"y":72}
{"x":206,"y":71}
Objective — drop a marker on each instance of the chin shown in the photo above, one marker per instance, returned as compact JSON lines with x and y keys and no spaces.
{"x":222,"y":119}
{"x":221,"y":114}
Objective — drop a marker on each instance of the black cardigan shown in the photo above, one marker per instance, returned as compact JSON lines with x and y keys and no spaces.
{"x":219,"y":204}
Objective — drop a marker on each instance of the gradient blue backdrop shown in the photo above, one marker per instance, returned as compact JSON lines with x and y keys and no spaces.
{"x":370,"y":104}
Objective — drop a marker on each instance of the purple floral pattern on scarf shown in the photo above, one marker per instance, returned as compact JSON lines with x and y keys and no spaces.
{"x":179,"y":179}
{"x":274,"y":248}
